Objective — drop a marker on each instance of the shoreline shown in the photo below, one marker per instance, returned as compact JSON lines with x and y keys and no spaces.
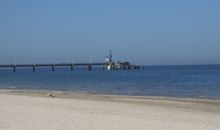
{"x":70,"y":94}
{"x":189,"y":103}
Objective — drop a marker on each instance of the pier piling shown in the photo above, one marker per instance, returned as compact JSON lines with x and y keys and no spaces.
{"x":89,"y":67}
{"x":53,"y":67}
{"x":14,"y":68}
{"x":71,"y":67}
{"x":34,"y":68}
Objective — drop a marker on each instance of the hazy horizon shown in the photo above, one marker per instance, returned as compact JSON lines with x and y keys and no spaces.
{"x":146,"y":32}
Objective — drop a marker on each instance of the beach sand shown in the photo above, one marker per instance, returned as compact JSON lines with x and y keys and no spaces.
{"x":34,"y":110}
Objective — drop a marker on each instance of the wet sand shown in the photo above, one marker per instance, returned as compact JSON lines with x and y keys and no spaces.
{"x":35,"y":110}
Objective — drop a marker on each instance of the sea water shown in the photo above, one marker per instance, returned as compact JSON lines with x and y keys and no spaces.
{"x":196,"y":81}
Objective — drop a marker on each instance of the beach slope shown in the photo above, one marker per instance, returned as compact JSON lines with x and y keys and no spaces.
{"x":34,"y":111}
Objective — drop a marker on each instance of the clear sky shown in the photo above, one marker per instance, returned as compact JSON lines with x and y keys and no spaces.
{"x":150,"y":32}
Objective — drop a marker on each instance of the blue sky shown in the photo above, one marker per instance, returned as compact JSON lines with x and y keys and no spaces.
{"x":150,"y":32}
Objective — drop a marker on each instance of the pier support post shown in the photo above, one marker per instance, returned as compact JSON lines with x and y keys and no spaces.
{"x":89,"y":67}
{"x":129,"y":67}
{"x":53,"y":67}
{"x":124,"y":68}
{"x":71,"y":67}
{"x":34,"y":68}
{"x":14,"y":68}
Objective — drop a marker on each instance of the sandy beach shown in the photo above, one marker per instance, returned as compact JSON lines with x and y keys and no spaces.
{"x":34,"y":110}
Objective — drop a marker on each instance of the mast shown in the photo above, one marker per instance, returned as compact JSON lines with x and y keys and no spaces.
{"x":110,"y":56}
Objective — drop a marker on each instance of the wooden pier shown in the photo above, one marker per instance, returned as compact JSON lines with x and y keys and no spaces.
{"x":108,"y":65}
{"x":34,"y":66}
{"x":71,"y":66}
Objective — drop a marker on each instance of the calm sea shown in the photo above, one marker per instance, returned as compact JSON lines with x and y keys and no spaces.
{"x":199,"y":81}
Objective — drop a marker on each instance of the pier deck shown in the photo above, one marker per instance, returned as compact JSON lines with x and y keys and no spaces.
{"x":34,"y":66}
